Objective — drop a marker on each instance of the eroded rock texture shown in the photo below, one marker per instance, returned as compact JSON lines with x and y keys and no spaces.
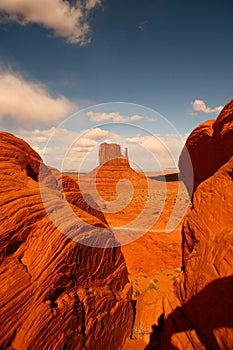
{"x":56,"y":293}
{"x":199,"y":315}
{"x":209,"y":146}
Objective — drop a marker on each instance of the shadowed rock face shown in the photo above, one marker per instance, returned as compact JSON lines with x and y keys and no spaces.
{"x":200,"y":315}
{"x":209,"y":146}
{"x":55,"y":293}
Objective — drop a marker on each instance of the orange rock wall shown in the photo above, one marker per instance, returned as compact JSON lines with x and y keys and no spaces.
{"x":55,"y":293}
{"x":199,"y":315}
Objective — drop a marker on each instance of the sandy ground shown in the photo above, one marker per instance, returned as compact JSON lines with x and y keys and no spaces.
{"x":151,"y":241}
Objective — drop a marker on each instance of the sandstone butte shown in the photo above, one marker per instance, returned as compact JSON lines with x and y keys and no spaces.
{"x":112,"y":152}
{"x":113,"y":168}
{"x":200,"y":313}
{"x":55,"y":293}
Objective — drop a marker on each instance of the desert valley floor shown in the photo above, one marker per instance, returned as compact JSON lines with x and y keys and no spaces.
{"x":154,"y":258}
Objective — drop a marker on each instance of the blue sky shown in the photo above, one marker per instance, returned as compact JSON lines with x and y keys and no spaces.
{"x":161,"y":54}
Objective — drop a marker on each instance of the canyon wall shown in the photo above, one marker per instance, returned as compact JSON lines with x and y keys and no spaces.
{"x":199,"y":314}
{"x":56,"y":293}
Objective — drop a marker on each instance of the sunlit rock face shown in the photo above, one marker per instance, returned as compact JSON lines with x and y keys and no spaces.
{"x":56,"y":293}
{"x":209,"y":146}
{"x":199,"y":314}
{"x":111,"y":154}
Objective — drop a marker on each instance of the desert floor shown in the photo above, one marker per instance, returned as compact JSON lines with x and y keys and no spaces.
{"x":146,"y":218}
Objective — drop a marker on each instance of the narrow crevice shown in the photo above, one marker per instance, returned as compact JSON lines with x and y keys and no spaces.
{"x":80,"y":314}
{"x":9,"y":341}
{"x":31,"y":173}
{"x":25,"y":267}
{"x":114,"y":295}
{"x":13,"y":247}
{"x":54,"y":296}
{"x":134,"y":303}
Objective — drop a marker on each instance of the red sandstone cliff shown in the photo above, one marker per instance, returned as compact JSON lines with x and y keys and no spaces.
{"x":55,"y":293}
{"x":199,"y":315}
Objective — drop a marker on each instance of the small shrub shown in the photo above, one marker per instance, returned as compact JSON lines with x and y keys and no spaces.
{"x":178,"y":269}
{"x":140,"y":329}
{"x":136,"y":294}
{"x":153,"y":286}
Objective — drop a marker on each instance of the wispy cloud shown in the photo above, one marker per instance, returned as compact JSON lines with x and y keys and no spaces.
{"x":200,"y":106}
{"x":164,"y":149}
{"x":67,"y":20}
{"x":30,"y":103}
{"x":99,"y":117}
{"x":85,"y":138}
{"x":142,"y":25}
{"x":69,"y":148}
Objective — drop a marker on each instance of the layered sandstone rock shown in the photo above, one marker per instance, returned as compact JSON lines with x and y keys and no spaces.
{"x":112,"y":153}
{"x":56,"y":293}
{"x":116,"y":185}
{"x":209,"y":146}
{"x":199,"y":315}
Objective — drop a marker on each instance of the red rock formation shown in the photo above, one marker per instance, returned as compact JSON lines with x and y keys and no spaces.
{"x":112,"y":153}
{"x":105,"y":179}
{"x":209,"y":146}
{"x":200,"y":315}
{"x":55,"y":293}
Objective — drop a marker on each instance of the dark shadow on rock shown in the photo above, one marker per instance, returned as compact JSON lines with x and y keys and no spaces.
{"x":155,"y":336}
{"x":174,"y":177}
{"x":134,"y":303}
{"x":210,"y":309}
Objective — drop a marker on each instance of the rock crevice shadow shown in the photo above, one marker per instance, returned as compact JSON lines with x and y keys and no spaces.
{"x":205,"y":313}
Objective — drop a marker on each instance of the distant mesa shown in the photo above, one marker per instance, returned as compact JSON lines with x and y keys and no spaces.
{"x":110,"y":154}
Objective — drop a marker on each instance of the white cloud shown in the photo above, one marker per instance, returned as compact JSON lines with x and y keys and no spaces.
{"x":99,"y":134}
{"x":64,"y":140}
{"x":63,"y":18}
{"x":142,"y":25}
{"x":135,"y":117}
{"x":30,"y":103}
{"x":160,"y":150}
{"x":96,"y":133}
{"x":90,"y":4}
{"x":73,"y":148}
{"x":99,"y":117}
{"x":200,"y":106}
